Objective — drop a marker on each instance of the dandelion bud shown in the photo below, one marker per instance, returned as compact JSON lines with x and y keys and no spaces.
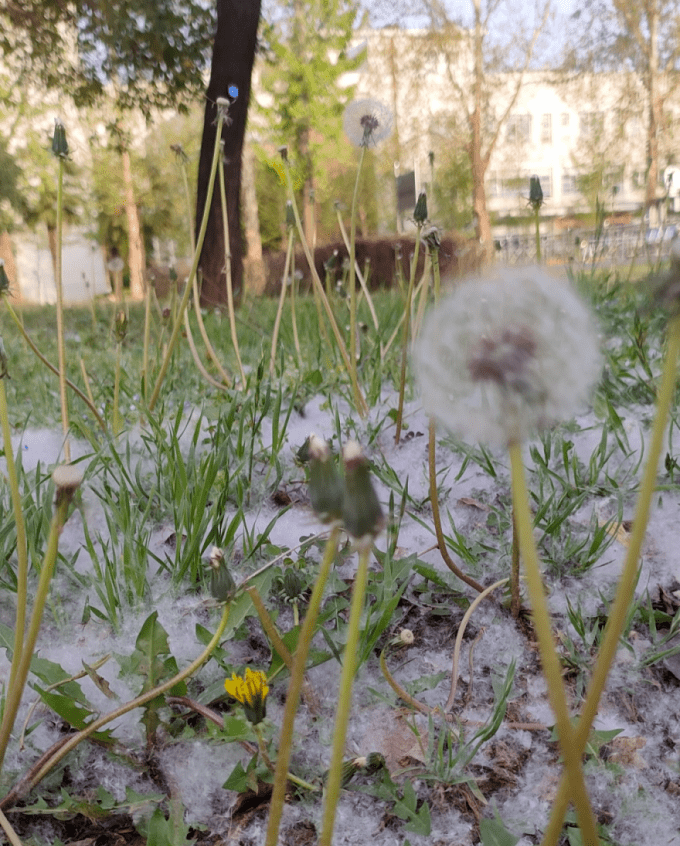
{"x":325,"y":484}
{"x":222,"y":586}
{"x":374,"y":762}
{"x":120,"y":327}
{"x":431,"y":237}
{"x":420,"y":211}
{"x":362,"y":514}
{"x":59,"y":142}
{"x":4,"y":280}
{"x":406,"y":637}
{"x":283,"y":152}
{"x":165,"y":315}
{"x":67,"y":479}
{"x":292,"y":583}
{"x":535,"y":193}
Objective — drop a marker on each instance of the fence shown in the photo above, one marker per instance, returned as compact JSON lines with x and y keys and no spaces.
{"x":618,"y":245}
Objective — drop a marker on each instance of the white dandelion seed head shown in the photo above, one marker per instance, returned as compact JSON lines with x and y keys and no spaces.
{"x":507,"y":355}
{"x":367,"y":122}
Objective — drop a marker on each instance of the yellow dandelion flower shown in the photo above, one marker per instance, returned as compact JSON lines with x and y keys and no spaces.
{"x":251,"y":691}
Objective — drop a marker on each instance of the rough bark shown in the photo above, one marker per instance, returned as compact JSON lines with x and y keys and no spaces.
{"x":135,"y":248}
{"x":232,"y":64}
{"x":254,"y":265}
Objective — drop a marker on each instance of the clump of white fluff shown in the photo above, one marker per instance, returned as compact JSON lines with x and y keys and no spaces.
{"x":506,"y":355}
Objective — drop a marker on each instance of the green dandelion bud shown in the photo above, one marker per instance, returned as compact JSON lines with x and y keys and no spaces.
{"x":374,"y":763}
{"x":420,"y":212}
{"x":283,"y":152}
{"x":120,"y":327}
{"x":325,"y":485}
{"x":59,"y":142}
{"x":362,"y":514}
{"x":222,"y":585}
{"x":250,"y":690}
{"x":535,"y":193}
{"x":292,"y":583}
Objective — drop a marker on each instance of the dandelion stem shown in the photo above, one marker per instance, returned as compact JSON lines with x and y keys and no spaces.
{"x":294,"y":690}
{"x":405,"y":335}
{"x":21,"y":545}
{"x":12,"y":836}
{"x":94,"y":726}
{"x":176,"y":329}
{"x":76,"y":390}
{"x":282,"y":297}
{"x":20,"y":674}
{"x":352,"y":277}
{"x":349,"y":667}
{"x":60,"y":313}
{"x":227,"y":258}
{"x":626,"y":587}
{"x":549,"y":657}
{"x":359,"y":400}
{"x":436,"y":516}
{"x":360,"y":276}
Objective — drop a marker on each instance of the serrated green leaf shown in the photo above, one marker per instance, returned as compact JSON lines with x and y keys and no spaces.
{"x":494,"y":833}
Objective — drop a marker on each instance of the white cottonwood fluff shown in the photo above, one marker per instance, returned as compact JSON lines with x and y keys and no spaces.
{"x":506,"y":355}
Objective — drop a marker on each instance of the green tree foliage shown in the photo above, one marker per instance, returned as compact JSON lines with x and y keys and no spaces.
{"x":307,"y":53}
{"x":156,"y":50}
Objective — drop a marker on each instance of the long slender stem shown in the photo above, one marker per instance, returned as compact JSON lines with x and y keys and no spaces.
{"x":626,"y":586}
{"x":22,"y":548}
{"x":459,"y":640}
{"x":76,"y":390}
{"x":360,"y":276}
{"x":227,"y":258}
{"x":147,"y":338}
{"x":436,"y":515}
{"x":282,"y":297}
{"x":546,"y":645}
{"x":60,"y":314}
{"x":116,"y":390}
{"x":21,"y":674}
{"x":12,"y":836}
{"x":197,"y":300}
{"x":123,"y":709}
{"x":176,"y":329}
{"x":404,"y":337}
{"x":359,"y":400}
{"x":349,"y":668}
{"x":294,"y":689}
{"x":352,"y":278}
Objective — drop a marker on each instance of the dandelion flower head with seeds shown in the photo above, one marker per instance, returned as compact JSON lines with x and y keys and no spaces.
{"x":367,"y":122}
{"x":507,"y":355}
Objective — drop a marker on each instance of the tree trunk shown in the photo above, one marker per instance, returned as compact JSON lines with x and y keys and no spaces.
{"x":232,"y":64}
{"x":135,"y":249}
{"x":478,"y":161}
{"x":654,"y":107}
{"x":255,"y":279}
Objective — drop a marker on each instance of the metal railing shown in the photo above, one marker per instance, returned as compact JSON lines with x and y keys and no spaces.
{"x":614,"y":246}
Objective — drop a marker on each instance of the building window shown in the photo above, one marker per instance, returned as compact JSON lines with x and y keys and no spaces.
{"x":591,"y":124}
{"x":564,"y":120}
{"x":518,"y":128}
{"x":569,"y":182}
{"x":546,"y":129}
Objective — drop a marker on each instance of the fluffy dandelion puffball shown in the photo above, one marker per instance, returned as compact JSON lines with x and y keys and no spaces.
{"x":367,"y":122}
{"x":507,"y":355}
